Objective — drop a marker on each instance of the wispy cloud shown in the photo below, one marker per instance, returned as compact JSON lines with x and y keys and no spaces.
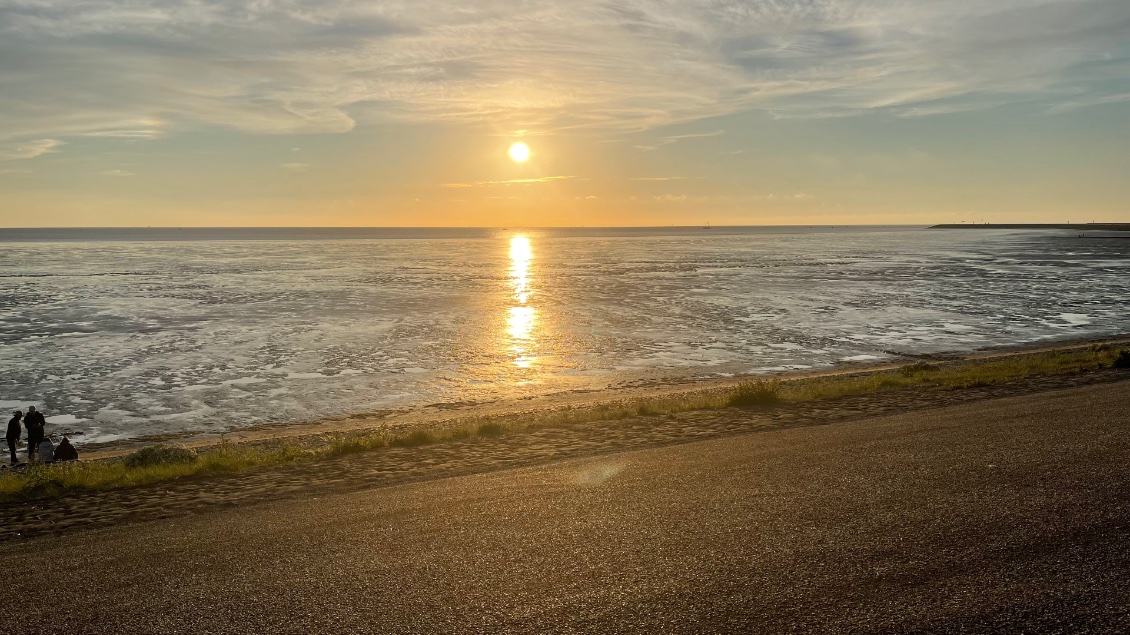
{"x":1093,"y":100}
{"x":28,"y":149}
{"x":544,"y":179}
{"x":798,"y":196}
{"x":140,"y":133}
{"x":675,"y":138}
{"x":304,"y":66}
{"x":295,"y":167}
{"x":118,"y":173}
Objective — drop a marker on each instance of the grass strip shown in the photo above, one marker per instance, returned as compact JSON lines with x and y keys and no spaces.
{"x":163,"y":463}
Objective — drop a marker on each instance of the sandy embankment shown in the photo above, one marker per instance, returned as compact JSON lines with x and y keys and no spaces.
{"x":433,"y":416}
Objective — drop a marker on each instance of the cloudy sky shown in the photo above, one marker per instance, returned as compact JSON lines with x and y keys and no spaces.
{"x":325,"y":112}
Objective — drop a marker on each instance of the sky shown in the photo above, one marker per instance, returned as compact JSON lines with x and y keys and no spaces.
{"x":677,"y":112}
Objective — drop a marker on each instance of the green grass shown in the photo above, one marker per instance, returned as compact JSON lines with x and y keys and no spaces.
{"x":45,"y":481}
{"x":165,"y":463}
{"x":966,"y":374}
{"x":755,"y":393}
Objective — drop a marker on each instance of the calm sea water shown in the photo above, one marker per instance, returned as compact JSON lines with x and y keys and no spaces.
{"x":125,"y":333}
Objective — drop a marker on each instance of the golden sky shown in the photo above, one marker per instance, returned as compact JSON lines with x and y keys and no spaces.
{"x":308,"y":112}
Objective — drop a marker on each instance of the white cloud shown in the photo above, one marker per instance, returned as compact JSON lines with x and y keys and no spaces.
{"x":674,"y":138}
{"x":103,"y":67}
{"x":142,"y":133}
{"x":799,"y":196}
{"x":295,"y":167}
{"x":28,"y":149}
{"x":1068,"y":106}
{"x":118,"y":173}
{"x":543,"y":179}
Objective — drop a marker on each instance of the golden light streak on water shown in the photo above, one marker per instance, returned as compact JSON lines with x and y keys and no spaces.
{"x":522,"y":318}
{"x":520,"y":257}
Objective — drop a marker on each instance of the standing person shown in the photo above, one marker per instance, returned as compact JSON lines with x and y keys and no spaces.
{"x":34,"y":423}
{"x":13,"y":436}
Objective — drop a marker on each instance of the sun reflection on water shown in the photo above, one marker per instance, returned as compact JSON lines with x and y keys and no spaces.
{"x":520,"y":257}
{"x":522,"y":318}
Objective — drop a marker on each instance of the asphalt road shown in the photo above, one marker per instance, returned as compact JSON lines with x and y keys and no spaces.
{"x":1003,"y":516}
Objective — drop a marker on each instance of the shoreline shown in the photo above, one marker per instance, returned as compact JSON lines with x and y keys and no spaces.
{"x":438,"y":416}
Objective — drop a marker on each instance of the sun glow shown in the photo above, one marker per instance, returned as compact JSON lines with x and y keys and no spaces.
{"x":520,"y":152}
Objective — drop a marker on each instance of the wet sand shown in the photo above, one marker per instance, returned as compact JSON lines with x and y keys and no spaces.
{"x":1005,"y":513}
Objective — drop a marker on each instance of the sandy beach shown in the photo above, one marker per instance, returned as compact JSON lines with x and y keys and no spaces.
{"x":1005,"y":513}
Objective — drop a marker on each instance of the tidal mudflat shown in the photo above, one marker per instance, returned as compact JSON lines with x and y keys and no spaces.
{"x":123,"y":335}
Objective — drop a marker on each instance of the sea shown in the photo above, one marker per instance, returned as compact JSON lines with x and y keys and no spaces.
{"x":120,"y":334}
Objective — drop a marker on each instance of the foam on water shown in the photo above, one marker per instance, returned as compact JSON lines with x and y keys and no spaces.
{"x":122,"y":338}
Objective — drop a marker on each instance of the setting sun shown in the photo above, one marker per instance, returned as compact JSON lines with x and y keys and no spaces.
{"x":519,"y":152}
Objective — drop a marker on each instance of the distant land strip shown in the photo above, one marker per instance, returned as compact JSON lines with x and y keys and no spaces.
{"x":1110,"y":227}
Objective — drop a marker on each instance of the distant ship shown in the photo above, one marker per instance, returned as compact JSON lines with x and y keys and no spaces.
{"x":708,"y":225}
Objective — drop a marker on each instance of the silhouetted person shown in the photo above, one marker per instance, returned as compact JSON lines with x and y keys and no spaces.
{"x":34,"y":423}
{"x":13,"y":435}
{"x":46,"y":451}
{"x":65,"y":451}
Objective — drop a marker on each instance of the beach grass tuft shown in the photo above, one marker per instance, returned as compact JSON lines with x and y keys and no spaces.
{"x":918,"y":367}
{"x":755,"y":393}
{"x":162,"y":463}
{"x":160,"y":454}
{"x":415,"y":439}
{"x":489,"y":430}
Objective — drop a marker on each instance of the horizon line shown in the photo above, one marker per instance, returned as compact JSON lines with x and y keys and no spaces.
{"x":495,"y":227}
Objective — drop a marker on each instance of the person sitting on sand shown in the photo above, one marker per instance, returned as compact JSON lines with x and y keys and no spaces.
{"x":34,"y":423}
{"x":13,"y":436}
{"x":46,"y":451}
{"x":65,"y":451}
